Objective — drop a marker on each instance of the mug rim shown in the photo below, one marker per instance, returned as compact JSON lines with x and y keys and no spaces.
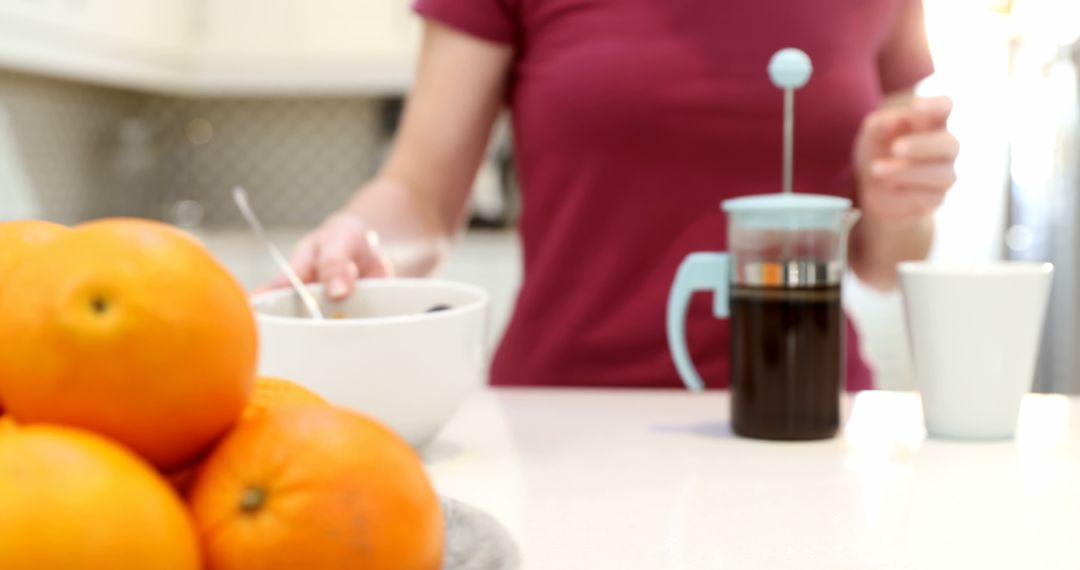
{"x":975,"y":269}
{"x":479,"y":303}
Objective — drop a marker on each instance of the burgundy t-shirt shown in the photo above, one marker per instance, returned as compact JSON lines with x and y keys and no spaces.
{"x":632,"y":120}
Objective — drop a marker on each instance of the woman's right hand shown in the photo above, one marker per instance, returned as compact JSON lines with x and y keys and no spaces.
{"x":422,"y":191}
{"x":336,"y":254}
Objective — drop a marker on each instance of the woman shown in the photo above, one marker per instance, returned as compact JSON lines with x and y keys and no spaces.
{"x":633,"y":119}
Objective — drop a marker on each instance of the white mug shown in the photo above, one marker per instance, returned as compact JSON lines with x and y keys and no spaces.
{"x":974,"y":333}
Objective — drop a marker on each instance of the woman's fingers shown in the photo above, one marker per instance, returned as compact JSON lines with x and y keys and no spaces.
{"x":923,"y":201}
{"x":278,"y":282}
{"x":923,"y":115}
{"x":905,"y":158}
{"x":375,"y":263}
{"x":379,"y":266}
{"x":936,"y":145}
{"x":342,"y":251}
{"x":302,"y":261}
{"x":939,"y":175}
{"x":930,"y":113}
{"x":882,"y":127}
{"x":901,"y":202}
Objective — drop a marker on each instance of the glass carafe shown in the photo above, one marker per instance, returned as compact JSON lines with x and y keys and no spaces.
{"x":779,"y":286}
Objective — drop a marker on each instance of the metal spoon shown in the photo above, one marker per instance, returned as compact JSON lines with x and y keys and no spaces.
{"x":240,"y":197}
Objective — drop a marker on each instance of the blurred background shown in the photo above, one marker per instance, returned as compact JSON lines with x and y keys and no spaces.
{"x":157,"y":109}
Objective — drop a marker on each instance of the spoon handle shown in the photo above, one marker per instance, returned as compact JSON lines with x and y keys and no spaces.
{"x":240,"y":197}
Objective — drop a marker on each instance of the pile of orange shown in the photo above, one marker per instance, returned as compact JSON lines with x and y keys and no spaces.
{"x":127,"y":361}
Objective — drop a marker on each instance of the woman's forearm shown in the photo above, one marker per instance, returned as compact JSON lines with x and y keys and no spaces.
{"x":402,"y":222}
{"x":420,"y":198}
{"x":878,"y":246}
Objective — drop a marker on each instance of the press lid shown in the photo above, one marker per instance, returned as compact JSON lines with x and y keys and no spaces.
{"x":786,"y":202}
{"x":788,"y":211}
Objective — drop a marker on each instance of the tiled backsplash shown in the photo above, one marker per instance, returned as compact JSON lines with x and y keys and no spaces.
{"x":60,"y":129}
{"x":297,"y":158}
{"x":92,"y":152}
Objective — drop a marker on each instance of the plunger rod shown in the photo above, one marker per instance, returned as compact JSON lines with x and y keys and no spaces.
{"x":789,"y":138}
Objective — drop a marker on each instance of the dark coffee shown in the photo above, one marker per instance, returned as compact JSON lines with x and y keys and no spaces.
{"x":787,"y":362}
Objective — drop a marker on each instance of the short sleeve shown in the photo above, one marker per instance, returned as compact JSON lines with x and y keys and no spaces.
{"x":492,"y":20}
{"x":904,"y":58}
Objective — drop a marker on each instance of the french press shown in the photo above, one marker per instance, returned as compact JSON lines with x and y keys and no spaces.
{"x":779,"y":286}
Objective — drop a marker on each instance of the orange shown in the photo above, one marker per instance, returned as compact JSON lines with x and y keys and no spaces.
{"x":275,"y":393}
{"x":269,"y":394}
{"x":72,"y":499}
{"x":20,"y":238}
{"x":132,"y":329}
{"x":316,"y":487}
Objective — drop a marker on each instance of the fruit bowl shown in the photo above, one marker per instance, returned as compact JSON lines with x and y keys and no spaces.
{"x":475,"y":540}
{"x":405,"y":351}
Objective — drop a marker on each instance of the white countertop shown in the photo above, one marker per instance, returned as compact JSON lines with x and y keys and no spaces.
{"x":620,"y":479}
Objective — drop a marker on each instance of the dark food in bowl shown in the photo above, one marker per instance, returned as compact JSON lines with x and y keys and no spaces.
{"x":433,"y":309}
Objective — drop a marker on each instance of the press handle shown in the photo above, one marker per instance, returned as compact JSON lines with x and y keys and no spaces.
{"x":698,"y":272}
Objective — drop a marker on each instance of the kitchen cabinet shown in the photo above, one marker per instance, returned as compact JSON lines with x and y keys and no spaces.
{"x":119,"y":42}
{"x":253,"y":46}
{"x":298,"y":30}
{"x":160,"y":26}
{"x":374,"y":28}
{"x":212,"y":47}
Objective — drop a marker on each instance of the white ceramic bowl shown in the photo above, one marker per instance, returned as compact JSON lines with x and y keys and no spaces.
{"x":387,"y":357}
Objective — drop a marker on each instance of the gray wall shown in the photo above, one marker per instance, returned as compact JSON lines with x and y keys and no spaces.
{"x":91,"y":152}
{"x":59,"y":132}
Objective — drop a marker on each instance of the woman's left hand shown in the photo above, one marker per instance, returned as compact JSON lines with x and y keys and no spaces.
{"x":904,"y":158}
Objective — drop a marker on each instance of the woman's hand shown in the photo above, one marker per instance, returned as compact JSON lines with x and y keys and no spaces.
{"x":904,"y":159}
{"x":340,"y":251}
